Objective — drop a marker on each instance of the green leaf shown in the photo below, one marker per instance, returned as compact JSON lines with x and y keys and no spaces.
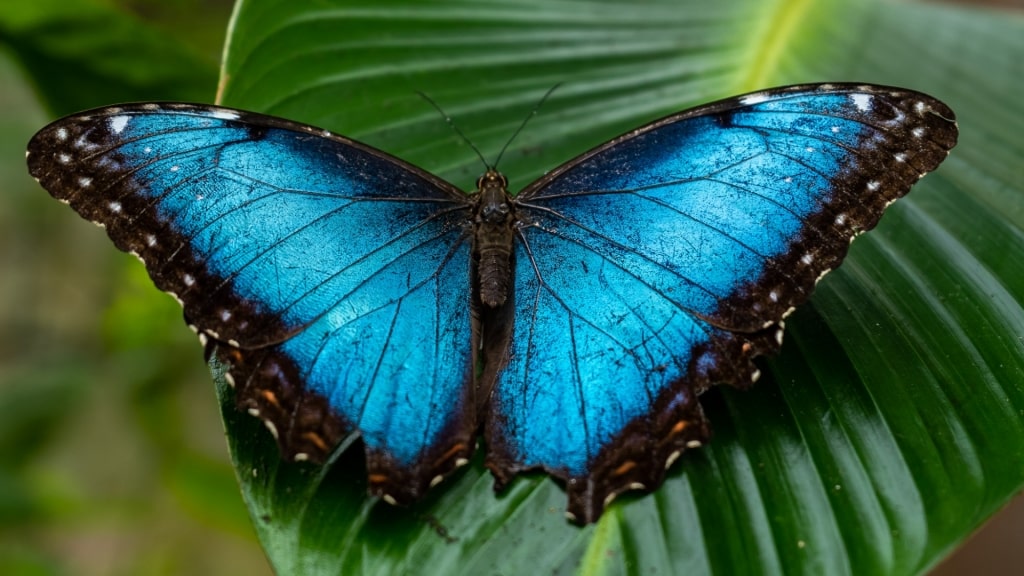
{"x":890,"y":426}
{"x":83,"y":54}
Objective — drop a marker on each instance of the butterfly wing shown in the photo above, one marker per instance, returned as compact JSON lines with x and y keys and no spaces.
{"x":663,"y":261}
{"x":332,"y":278}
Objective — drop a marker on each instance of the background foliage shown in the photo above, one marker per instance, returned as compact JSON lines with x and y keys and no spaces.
{"x":886,"y":431}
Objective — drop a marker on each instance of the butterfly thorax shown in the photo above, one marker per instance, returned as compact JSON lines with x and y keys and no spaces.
{"x":493,"y":234}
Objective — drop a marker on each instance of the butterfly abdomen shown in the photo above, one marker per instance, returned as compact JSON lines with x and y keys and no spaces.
{"x":495,"y":276}
{"x":493,"y":238}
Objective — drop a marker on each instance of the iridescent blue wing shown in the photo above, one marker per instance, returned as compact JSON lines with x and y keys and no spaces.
{"x":331,"y":277}
{"x":663,"y":261}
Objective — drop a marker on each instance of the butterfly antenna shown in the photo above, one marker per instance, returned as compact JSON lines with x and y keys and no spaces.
{"x":525,"y":120}
{"x":451,"y":123}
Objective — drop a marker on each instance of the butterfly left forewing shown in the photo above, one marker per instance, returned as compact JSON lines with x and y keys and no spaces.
{"x":330,"y":277}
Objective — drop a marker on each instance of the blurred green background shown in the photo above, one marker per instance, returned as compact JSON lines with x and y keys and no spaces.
{"x":159,"y":495}
{"x":112,"y":454}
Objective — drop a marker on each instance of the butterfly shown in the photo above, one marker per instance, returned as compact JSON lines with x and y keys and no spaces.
{"x":571,"y":326}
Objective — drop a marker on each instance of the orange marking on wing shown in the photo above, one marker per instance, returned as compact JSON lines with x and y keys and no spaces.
{"x":624,"y":468}
{"x":452,"y":451}
{"x":316,"y":439}
{"x":270,"y":397}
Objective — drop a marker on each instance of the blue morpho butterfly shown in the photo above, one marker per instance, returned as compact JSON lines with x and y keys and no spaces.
{"x":574,"y":323}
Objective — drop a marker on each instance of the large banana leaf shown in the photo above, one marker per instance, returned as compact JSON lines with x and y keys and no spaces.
{"x":891,"y":425}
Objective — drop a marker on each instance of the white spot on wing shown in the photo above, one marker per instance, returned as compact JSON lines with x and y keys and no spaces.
{"x":63,"y":158}
{"x":188,"y":280}
{"x":693,"y":444}
{"x":807,"y":258}
{"x":436,"y":480}
{"x":224,"y":114}
{"x":389,"y":499}
{"x":672,"y":459}
{"x":751,"y":99}
{"x":84,"y":182}
{"x":117,"y":123}
{"x":62,"y":134}
{"x":115,"y":206}
{"x":917,"y":132}
{"x":873,"y":185}
{"x":900,"y":157}
{"x":862,"y":101}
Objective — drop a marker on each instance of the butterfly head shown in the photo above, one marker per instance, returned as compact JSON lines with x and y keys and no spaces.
{"x":493,"y":189}
{"x":490,"y":179}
